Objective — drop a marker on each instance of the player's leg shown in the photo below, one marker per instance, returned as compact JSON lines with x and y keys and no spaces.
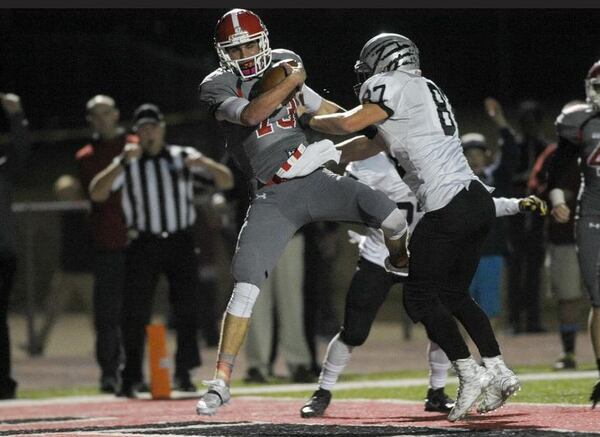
{"x":341,"y":198}
{"x":368,"y":289}
{"x":437,"y":399}
{"x":565,"y":280}
{"x":270,"y":223}
{"x":437,"y":244}
{"x":588,"y":244}
{"x":259,"y":341}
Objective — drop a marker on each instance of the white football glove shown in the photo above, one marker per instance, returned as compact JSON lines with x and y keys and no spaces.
{"x":355,"y":237}
{"x":313,"y":156}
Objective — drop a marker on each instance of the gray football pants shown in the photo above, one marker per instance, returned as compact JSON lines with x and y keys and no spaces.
{"x":588,"y":248}
{"x":278,"y":211}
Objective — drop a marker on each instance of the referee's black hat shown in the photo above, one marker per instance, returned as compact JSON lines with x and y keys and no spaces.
{"x":147,"y":113}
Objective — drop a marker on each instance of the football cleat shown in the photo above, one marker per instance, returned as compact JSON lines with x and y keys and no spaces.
{"x":438,"y":400}
{"x":505,"y":385}
{"x":216,"y":395}
{"x":595,"y":396}
{"x":473,"y":379}
{"x":566,"y":362}
{"x":317,"y":404}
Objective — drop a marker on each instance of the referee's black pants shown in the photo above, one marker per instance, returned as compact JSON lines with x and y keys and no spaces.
{"x":146,"y":258}
{"x":445,"y":248}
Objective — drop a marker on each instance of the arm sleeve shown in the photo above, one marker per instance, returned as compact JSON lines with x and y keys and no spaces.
{"x":221,"y":100}
{"x":312,"y":99}
{"x":231,"y":110}
{"x":505,"y":206}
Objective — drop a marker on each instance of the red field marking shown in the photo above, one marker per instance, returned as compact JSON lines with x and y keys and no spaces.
{"x":125,"y":413}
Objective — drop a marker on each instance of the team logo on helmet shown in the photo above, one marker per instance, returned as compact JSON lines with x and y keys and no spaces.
{"x":386,"y":52}
{"x":238,"y":27}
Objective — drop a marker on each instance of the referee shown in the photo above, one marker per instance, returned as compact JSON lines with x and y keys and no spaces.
{"x":156,"y":180}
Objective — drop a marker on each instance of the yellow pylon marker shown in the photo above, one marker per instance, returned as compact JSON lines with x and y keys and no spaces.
{"x":160,"y":379}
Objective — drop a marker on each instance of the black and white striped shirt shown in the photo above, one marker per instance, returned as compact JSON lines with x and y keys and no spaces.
{"x":158,"y":191}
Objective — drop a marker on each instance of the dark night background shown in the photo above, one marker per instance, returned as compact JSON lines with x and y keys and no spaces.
{"x":57,"y":59}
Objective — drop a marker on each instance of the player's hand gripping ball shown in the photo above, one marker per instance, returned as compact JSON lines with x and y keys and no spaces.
{"x":273,"y":77}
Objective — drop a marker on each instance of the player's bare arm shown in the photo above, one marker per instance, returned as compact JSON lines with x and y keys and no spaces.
{"x":359,"y":148}
{"x":265,"y":104}
{"x":350,"y":121}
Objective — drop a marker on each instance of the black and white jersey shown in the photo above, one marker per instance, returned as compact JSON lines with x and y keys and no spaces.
{"x":421,"y":134}
{"x":158,"y":191}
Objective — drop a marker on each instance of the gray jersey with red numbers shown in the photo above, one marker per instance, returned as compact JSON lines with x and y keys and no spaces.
{"x":421,"y":134}
{"x":258,"y":150}
{"x":580,"y":126}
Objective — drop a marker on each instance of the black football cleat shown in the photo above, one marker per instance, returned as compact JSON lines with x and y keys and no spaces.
{"x":595,"y":396}
{"x":437,"y":400}
{"x":317,"y":404}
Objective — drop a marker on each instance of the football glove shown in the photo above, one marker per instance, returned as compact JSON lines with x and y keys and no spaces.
{"x":533,"y":204}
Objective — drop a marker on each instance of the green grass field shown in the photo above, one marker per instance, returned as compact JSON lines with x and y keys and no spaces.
{"x":567,"y":391}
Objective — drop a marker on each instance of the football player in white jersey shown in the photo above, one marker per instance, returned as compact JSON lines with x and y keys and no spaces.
{"x":371,"y":283}
{"x":415,"y":124}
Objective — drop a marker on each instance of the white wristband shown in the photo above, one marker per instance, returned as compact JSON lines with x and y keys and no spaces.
{"x":557,"y":197}
{"x":312,"y":100}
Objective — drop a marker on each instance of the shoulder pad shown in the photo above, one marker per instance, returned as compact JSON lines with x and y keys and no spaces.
{"x":571,"y":119}
{"x":280,"y":54}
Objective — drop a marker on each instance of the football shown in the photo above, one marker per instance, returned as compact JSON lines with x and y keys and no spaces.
{"x":271,"y":78}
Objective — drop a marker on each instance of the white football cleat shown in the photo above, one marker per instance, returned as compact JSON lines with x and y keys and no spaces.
{"x":473,"y":379}
{"x":505,"y":385}
{"x":216,"y":395}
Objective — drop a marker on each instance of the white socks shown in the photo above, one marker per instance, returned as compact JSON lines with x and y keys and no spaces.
{"x":438,"y":366}
{"x":338,"y":355}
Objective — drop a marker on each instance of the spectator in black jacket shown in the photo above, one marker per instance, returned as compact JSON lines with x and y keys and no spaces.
{"x":497,"y":172}
{"x":12,"y":160}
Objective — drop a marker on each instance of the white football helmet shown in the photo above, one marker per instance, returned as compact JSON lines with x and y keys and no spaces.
{"x":592,"y":85}
{"x":386,"y":52}
{"x":240,"y":26}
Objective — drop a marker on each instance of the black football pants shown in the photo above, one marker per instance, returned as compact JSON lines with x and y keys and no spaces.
{"x":445,"y":248}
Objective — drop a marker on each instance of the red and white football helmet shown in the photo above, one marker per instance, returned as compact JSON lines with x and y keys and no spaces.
{"x":592,"y":85}
{"x":240,"y":26}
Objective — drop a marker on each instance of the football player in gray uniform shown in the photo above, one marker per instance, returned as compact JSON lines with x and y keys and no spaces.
{"x":293,"y":188}
{"x":578,"y":129}
{"x":415,"y":125}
